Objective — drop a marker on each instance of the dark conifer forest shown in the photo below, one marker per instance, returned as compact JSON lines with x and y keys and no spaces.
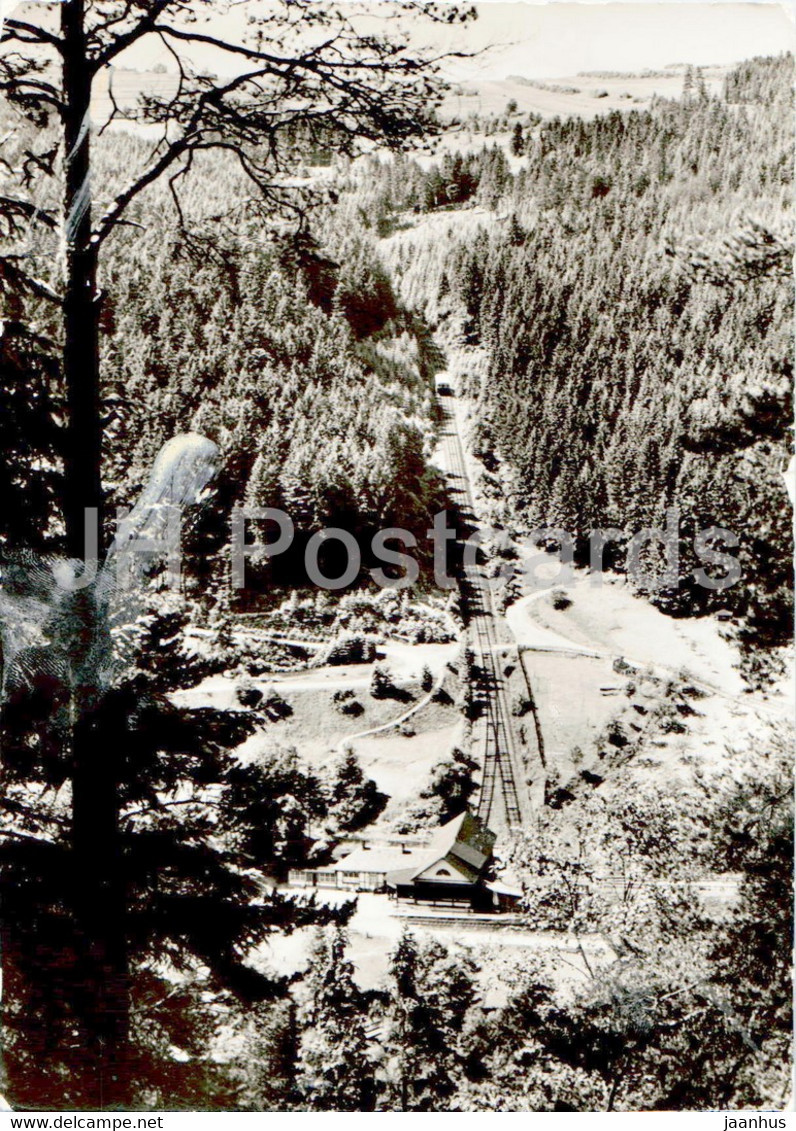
{"x":612,"y":297}
{"x":627,"y":294}
{"x":633,"y":307}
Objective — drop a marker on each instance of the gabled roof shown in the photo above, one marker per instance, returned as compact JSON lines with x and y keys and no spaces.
{"x":465,"y":842}
{"x":452,"y":864}
{"x":406,"y":875}
{"x":473,"y":841}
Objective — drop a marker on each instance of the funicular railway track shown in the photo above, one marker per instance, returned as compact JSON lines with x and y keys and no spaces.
{"x":499,"y":803}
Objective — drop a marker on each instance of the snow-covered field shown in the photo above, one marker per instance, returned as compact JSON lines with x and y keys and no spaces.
{"x":580,"y":95}
{"x":397,"y":742}
{"x":609,"y":619}
{"x":378,"y":922}
{"x":405,"y":661}
{"x":576,"y":693}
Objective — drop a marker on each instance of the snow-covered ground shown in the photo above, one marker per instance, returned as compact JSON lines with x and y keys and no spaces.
{"x":377,"y":925}
{"x":397,"y":741}
{"x":610,"y":619}
{"x":405,"y":661}
{"x":581,"y":95}
{"x":575,"y":695}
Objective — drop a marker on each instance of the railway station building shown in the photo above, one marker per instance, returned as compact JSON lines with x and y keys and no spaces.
{"x":450,"y":870}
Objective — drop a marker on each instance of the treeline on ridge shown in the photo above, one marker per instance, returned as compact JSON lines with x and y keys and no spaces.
{"x":619,"y":382}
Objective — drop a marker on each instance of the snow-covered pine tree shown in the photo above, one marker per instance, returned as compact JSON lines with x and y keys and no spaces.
{"x":355,"y":800}
{"x":334,"y":1071}
{"x":431,"y":993}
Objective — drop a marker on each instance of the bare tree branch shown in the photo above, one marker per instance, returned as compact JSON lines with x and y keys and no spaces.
{"x":14,"y":209}
{"x":22,"y":281}
{"x":128,"y":38}
{"x":21,"y":31}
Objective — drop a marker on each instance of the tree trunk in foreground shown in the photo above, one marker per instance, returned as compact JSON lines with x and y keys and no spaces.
{"x":101,"y":976}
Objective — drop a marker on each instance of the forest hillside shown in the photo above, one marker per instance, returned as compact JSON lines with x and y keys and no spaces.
{"x":620,"y":309}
